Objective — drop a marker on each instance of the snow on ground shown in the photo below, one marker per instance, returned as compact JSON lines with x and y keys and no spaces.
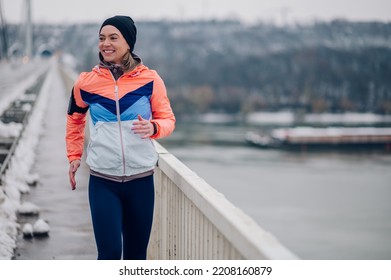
{"x":41,"y":227}
{"x":10,"y":129}
{"x":28,"y":208}
{"x":17,"y":178}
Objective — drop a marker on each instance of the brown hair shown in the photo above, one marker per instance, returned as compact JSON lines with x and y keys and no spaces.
{"x":128,"y":62}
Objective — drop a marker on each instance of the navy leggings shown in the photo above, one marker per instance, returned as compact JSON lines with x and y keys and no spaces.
{"x":122,"y":216}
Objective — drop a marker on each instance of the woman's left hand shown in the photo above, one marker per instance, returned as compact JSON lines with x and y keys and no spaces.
{"x":143,"y":127}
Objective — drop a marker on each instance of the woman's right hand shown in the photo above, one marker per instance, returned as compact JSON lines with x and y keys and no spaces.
{"x":73,"y":166}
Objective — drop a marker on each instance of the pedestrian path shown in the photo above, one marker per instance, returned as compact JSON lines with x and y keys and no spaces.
{"x":66,"y":211}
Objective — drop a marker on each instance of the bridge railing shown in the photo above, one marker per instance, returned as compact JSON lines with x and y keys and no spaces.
{"x":194,"y":221}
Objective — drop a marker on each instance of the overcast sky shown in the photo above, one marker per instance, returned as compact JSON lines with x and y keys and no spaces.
{"x":277,"y":11}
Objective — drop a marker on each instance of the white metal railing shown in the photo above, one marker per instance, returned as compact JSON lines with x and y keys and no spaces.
{"x":194,"y":221}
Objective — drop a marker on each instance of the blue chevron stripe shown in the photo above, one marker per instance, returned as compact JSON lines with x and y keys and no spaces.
{"x":132,"y":97}
{"x":131,"y":104}
{"x":91,"y":99}
{"x":99,"y":113}
{"x":141,"y":107}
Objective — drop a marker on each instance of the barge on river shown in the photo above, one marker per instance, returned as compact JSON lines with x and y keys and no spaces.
{"x":337,"y":137}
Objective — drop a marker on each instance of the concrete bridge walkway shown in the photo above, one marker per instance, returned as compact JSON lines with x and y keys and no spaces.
{"x":66,"y":211}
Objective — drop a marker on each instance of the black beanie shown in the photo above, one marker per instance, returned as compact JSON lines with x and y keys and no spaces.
{"x":126,"y":26}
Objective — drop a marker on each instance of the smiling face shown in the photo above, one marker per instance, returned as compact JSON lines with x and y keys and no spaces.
{"x":112,"y":45}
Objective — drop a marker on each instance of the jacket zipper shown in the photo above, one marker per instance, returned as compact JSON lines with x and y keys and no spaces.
{"x":119,"y":125}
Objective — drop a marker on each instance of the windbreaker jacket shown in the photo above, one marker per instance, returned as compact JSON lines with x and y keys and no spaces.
{"x":114,"y":105}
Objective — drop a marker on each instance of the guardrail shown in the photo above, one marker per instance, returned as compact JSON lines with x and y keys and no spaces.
{"x":194,"y":221}
{"x":18,"y":112}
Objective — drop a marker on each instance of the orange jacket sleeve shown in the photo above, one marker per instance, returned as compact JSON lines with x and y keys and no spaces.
{"x":76,"y":121}
{"x":162,"y":114}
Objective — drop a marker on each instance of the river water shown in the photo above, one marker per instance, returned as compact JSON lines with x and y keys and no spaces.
{"x":320,"y":204}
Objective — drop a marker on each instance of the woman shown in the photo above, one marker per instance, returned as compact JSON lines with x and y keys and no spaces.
{"x":128,"y":107}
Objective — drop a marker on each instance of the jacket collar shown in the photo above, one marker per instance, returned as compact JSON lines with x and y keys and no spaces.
{"x":134,"y":73}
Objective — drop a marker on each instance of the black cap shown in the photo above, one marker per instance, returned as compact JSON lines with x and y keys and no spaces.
{"x":126,"y":26}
